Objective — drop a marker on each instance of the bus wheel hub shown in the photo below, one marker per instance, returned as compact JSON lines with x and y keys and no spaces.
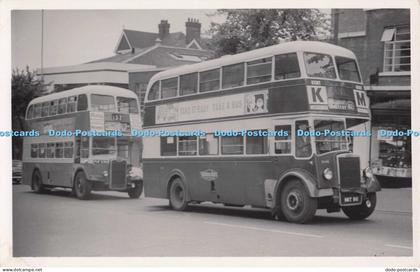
{"x":294,"y":201}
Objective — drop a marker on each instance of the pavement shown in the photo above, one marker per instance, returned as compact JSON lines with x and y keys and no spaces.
{"x":110,"y":224}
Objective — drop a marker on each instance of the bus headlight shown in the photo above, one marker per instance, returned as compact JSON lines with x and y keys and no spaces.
{"x":367,"y":172}
{"x":135,"y":173}
{"x":327,"y":173}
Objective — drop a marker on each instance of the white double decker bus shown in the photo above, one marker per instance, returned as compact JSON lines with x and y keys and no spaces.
{"x":85,"y":141}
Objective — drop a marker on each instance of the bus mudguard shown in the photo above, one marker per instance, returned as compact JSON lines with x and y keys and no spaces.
{"x":173,"y":174}
{"x":307,"y":179}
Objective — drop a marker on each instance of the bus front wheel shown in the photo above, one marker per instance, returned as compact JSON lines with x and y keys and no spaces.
{"x":178,"y":195}
{"x":37,"y":182}
{"x":296,"y":204}
{"x":82,"y":186}
{"x":361,"y":211}
{"x":137,"y":190}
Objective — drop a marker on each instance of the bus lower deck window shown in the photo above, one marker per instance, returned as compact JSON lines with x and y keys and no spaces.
{"x":187,"y":146}
{"x":209,"y":145}
{"x":41,"y":150}
{"x":51,"y":150}
{"x":232,"y":145}
{"x":168,"y":146}
{"x":59,"y":150}
{"x":68,"y":150}
{"x":256,"y":144}
{"x":283,"y":144}
{"x":34,"y":150}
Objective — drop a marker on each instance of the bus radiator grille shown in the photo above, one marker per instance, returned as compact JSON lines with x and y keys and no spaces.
{"x":118,"y":175}
{"x":349,"y":172}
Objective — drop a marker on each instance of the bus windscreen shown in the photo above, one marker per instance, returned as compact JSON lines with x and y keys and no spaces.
{"x":347,"y":69}
{"x":319,"y":65}
{"x":329,"y":142}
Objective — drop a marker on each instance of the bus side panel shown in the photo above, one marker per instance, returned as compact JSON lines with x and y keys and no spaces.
{"x":288,"y":99}
{"x":153,"y":185}
{"x":27,"y":170}
{"x":57,"y":174}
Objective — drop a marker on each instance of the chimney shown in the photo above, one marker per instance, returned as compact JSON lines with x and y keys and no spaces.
{"x":163,"y":29}
{"x":193,"y":30}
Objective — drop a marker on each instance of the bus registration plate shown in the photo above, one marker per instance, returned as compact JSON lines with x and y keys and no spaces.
{"x":350,"y":198}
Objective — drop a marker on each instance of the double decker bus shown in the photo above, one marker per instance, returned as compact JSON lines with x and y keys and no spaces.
{"x":243,"y":130}
{"x":84,"y":141}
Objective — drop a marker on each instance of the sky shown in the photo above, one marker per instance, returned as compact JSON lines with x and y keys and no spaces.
{"x":73,"y":37}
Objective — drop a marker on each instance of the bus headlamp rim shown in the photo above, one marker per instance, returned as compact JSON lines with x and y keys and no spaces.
{"x":368,"y":173}
{"x":327,"y":173}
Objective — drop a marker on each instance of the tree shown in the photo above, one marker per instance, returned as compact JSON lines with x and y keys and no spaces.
{"x":25,"y":87}
{"x":249,"y":29}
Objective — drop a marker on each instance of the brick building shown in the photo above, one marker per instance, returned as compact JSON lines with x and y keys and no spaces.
{"x":380,"y":38}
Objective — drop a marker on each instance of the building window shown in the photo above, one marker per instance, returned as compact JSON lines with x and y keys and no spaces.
{"x":397,"y":51}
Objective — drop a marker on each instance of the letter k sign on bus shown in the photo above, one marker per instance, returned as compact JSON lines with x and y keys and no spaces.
{"x":317,"y":97}
{"x":362,"y":101}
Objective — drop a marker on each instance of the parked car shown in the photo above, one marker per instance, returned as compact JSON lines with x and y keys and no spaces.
{"x":17,"y":171}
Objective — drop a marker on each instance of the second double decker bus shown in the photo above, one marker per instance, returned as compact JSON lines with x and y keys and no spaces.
{"x":85,"y":141}
{"x":244,"y":131}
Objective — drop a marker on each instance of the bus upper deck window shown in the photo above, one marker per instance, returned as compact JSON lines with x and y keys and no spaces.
{"x":154,"y":91}
{"x":30,"y":113}
{"x":286,"y":66}
{"x":71,"y":104}
{"x":82,"y":103}
{"x":169,"y":87}
{"x":37,"y":110}
{"x":188,"y":84}
{"x":233,"y":75}
{"x":54,"y":107}
{"x":319,"y":65}
{"x":45,"y":109}
{"x":210,"y":80}
{"x":258,"y":71}
{"x":62,"y":105}
{"x":347,"y":69}
{"x":127,"y":105}
{"x":102,"y":103}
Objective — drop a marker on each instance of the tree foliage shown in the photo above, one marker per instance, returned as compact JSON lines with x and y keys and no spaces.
{"x":249,"y":29}
{"x":25,"y":87}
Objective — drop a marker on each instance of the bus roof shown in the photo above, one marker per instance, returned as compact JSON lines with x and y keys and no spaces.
{"x":287,"y":47}
{"x":90,"y":89}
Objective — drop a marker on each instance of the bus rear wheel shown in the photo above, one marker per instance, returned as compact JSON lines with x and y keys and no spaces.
{"x":362,"y":211}
{"x":178,"y":195}
{"x":137,"y":190}
{"x":82,"y":187}
{"x":296,"y":204}
{"x":37,"y":182}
